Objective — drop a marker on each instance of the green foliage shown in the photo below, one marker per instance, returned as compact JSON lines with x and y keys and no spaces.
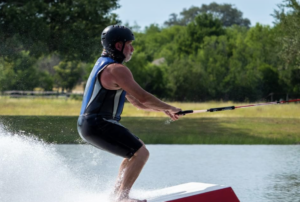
{"x":270,"y":79}
{"x":295,"y":80}
{"x":46,"y":81}
{"x":137,"y":65}
{"x":208,"y":53}
{"x":156,"y":81}
{"x":76,"y":97}
{"x":205,"y":61}
{"x":170,"y":43}
{"x":19,"y":73}
{"x":149,"y":76}
{"x":70,"y":28}
{"x":226,"y":13}
{"x":188,"y":81}
{"x":202,"y":26}
{"x":67,"y":74}
{"x":6,"y":75}
{"x":213,"y":57}
{"x":288,"y":38}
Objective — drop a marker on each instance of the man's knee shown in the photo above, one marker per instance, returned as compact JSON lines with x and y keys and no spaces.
{"x":142,"y":153}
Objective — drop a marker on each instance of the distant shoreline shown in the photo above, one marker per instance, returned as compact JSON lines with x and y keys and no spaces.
{"x":71,"y":107}
{"x":154,"y":130}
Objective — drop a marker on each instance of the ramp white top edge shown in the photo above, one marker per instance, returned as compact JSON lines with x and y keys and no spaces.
{"x":183,"y":190}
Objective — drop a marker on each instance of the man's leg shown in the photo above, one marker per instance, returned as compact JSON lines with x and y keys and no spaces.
{"x":120,"y":176}
{"x":129,"y":172}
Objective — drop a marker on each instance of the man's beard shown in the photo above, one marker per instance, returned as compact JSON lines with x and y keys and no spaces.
{"x":129,"y":58}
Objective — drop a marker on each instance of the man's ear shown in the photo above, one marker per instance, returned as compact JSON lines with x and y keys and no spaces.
{"x":119,"y":45}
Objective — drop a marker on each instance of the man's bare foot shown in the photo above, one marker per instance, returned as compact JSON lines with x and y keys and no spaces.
{"x":123,"y":196}
{"x":114,"y":198}
{"x":132,"y":200}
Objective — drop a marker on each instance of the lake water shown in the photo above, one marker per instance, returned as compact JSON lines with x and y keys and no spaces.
{"x":31,"y":171}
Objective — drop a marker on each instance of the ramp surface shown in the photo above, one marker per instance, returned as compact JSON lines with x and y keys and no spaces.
{"x":194,"y":192}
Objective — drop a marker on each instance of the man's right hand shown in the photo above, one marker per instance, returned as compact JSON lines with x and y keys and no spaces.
{"x":172,"y":113}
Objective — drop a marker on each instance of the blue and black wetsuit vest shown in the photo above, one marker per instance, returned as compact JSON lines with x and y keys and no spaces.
{"x":98,"y":101}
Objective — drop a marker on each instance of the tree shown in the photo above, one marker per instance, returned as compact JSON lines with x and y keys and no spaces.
{"x":67,"y":74}
{"x":151,"y":77}
{"x":156,"y":41}
{"x":173,"y":20}
{"x":226,"y":13}
{"x":254,"y":64}
{"x":6,"y":75}
{"x":19,"y":73}
{"x":46,"y":81}
{"x":214,"y":60}
{"x":202,"y":26}
{"x":70,"y":28}
{"x":188,"y":81}
{"x":168,"y":43}
{"x":288,"y":38}
{"x":270,"y":80}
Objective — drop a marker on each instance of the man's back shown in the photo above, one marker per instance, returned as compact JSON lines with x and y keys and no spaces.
{"x":99,"y":101}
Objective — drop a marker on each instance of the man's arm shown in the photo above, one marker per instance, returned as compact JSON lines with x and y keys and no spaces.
{"x":137,"y":103}
{"x":122,"y":77}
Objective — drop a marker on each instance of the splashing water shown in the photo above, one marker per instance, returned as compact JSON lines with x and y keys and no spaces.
{"x":32,"y":171}
{"x":169,"y":121}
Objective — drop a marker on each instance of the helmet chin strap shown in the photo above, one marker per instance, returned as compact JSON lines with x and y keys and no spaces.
{"x":123,"y":46}
{"x":115,"y":54}
{"x":120,"y":57}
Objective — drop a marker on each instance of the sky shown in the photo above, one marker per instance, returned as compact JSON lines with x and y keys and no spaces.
{"x":146,"y":12}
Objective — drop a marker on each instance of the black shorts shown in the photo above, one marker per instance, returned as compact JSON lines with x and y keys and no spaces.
{"x":108,"y":135}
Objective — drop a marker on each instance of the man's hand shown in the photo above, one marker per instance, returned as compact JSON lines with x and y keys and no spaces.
{"x":172,"y":113}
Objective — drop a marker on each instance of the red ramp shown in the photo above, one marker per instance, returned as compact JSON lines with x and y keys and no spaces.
{"x":194,"y":192}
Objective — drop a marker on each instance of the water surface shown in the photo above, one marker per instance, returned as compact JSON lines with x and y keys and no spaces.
{"x":32,"y":171}
{"x":256,"y":173}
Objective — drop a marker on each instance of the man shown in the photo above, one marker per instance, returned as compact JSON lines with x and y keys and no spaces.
{"x":108,"y":85}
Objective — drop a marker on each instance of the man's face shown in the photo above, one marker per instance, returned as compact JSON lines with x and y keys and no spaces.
{"x":127,"y":51}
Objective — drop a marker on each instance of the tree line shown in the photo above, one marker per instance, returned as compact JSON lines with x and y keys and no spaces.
{"x":204,"y":53}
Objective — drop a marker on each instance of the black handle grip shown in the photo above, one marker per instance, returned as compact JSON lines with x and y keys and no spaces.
{"x":221,"y":109}
{"x":185,"y":112}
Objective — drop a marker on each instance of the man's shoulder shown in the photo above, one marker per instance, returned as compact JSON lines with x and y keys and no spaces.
{"x":114,"y":65}
{"x":114,"y":74}
{"x":117,"y":67}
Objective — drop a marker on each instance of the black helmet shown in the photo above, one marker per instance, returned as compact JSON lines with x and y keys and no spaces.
{"x":113,"y":34}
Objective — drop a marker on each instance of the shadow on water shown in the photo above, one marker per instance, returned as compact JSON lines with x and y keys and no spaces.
{"x":286,"y":187}
{"x":153,"y":130}
{"x":51,"y":129}
{"x":210,"y":131}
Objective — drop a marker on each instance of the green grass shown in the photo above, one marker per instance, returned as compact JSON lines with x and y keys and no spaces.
{"x":62,"y":107}
{"x":39,"y":107}
{"x":54,"y":120}
{"x":154,"y":130}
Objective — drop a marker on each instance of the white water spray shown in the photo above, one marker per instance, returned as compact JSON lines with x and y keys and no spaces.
{"x":32,"y":171}
{"x":169,"y":121}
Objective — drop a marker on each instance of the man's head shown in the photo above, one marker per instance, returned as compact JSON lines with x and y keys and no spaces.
{"x":116,"y":41}
{"x":127,"y":49}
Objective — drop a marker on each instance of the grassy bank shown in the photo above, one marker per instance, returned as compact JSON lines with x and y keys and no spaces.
{"x":62,"y":107}
{"x":54,"y":120}
{"x":154,"y":130}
